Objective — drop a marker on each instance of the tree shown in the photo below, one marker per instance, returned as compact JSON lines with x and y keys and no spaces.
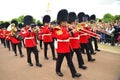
{"x":20,"y":19}
{"x":38,"y":22}
{"x":108,"y":18}
{"x":1,"y":22}
{"x":117,"y":17}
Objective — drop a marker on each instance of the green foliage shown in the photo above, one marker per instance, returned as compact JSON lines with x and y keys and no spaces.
{"x":108,"y":18}
{"x":20,"y":19}
{"x":97,"y":19}
{"x":38,"y":22}
{"x":117,"y":17}
{"x":1,"y":22}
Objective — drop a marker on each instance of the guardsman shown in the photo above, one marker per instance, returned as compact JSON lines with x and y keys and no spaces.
{"x":15,"y":38}
{"x":29,"y":41}
{"x":7,"y":38}
{"x":40,"y":35}
{"x":63,"y":44}
{"x":46,"y":30}
{"x":92,"y":19}
{"x":3,"y":34}
{"x":74,"y":40}
{"x":84,"y":37}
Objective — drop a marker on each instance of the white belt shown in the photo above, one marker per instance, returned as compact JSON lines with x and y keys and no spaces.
{"x":29,"y":37}
{"x":67,"y":40}
{"x":58,"y":40}
{"x":74,"y":37}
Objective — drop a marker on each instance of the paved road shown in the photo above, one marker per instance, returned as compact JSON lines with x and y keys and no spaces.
{"x":106,"y":67}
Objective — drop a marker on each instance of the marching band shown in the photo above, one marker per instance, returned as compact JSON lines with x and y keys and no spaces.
{"x":65,"y":37}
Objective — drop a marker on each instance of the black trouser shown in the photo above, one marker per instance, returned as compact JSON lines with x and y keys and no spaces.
{"x":46,"y":47}
{"x":95,"y":43}
{"x":41,"y":43}
{"x":19,"y":48}
{"x":90,"y":46}
{"x":8,"y":44}
{"x":79,"y":56}
{"x":35,"y":51}
{"x":69,"y":61}
{"x":3,"y":42}
{"x":85,"y":46}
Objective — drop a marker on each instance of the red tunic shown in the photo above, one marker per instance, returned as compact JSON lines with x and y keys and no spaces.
{"x":3,"y":33}
{"x":74,"y":40}
{"x":47,"y":37}
{"x":13,"y":39}
{"x":83,"y":37}
{"x":7,"y":35}
{"x":40,"y":36}
{"x":29,"y":38}
{"x":0,"y":33}
{"x":63,"y":41}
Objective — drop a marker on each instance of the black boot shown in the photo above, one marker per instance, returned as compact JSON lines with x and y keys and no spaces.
{"x":30,"y":64}
{"x":59,"y":74}
{"x":22,"y":55}
{"x":39,"y":65}
{"x":83,"y":67}
{"x":76,"y":75}
{"x":92,"y":60}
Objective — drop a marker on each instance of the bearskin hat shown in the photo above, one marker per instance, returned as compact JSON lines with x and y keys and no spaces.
{"x":20,"y":25}
{"x":2,"y":25}
{"x":28,"y":20}
{"x":46,"y":19}
{"x":80,"y":16}
{"x":62,"y":16}
{"x":86,"y":18}
{"x":6,"y":24}
{"x":92,"y":17}
{"x":33,"y":25}
{"x":71,"y":17}
{"x":15,"y":22}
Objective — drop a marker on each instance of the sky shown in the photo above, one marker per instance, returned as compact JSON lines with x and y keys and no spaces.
{"x":10,"y":9}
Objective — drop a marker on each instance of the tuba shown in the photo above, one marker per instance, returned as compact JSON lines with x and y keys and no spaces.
{"x":14,"y":32}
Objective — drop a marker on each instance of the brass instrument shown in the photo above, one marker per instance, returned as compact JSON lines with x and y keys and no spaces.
{"x":59,"y":31}
{"x":13,"y":31}
{"x":92,"y":34}
{"x":35,"y":29}
{"x":79,"y":27}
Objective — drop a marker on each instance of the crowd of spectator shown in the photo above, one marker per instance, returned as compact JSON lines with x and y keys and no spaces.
{"x":109,"y":32}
